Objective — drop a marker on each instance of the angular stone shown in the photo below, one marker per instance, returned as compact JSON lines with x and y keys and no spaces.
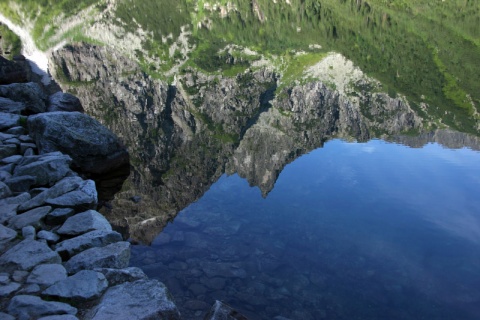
{"x":4,"y":191}
{"x":30,"y":94}
{"x":8,"y":167}
{"x":7,"y":234}
{"x":48,"y":236}
{"x":25,"y":307}
{"x":222,"y":311}
{"x":59,"y":216}
{"x":4,"y":175}
{"x":97,"y":238}
{"x":46,"y":168}
{"x":28,"y":232}
{"x":10,"y":106}
{"x":116,"y":255}
{"x":17,"y":130}
{"x":84,"y":222}
{"x":30,"y":289}
{"x":8,"y":120}
{"x":26,"y":255}
{"x":29,"y":152}
{"x":14,"y":141}
{"x":84,"y":285}
{"x":7,"y":150}
{"x":19,"y":275}
{"x":7,"y":211}
{"x":5,"y":316}
{"x":47,"y":274}
{"x":82,"y":199}
{"x":62,"y":101}
{"x":12,"y":159}
{"x":143,"y":299}
{"x":17,"y":200}
{"x":63,"y":186}
{"x":9,"y":288}
{"x":20,"y":184}
{"x":93,"y":147}
{"x":33,"y":218}
{"x":61,"y":317}
{"x":119,"y":276}
{"x":25,"y":146}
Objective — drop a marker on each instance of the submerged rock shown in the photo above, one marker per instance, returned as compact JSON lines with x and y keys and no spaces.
{"x":222,"y":311}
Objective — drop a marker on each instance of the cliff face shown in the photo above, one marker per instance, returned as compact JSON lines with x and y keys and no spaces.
{"x":183,"y":137}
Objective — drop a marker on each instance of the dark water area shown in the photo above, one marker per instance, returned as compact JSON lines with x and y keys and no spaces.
{"x":370,"y":230}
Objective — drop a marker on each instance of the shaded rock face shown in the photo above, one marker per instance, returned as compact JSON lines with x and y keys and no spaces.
{"x":183,"y":136}
{"x":11,"y":72}
{"x":93,"y":148}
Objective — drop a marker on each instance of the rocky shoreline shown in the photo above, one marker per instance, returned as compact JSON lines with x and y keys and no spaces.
{"x":59,"y":258}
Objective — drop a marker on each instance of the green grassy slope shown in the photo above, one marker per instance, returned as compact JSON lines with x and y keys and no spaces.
{"x":428,"y":50}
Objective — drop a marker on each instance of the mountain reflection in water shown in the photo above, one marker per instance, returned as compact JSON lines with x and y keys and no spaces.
{"x":370,"y":230}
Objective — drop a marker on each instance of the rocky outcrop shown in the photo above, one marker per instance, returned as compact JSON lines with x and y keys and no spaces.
{"x":51,"y":237}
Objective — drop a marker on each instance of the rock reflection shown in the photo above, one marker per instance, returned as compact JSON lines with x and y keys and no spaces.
{"x":183,"y":137}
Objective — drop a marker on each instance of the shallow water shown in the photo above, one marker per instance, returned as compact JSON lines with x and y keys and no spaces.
{"x":351,"y":231}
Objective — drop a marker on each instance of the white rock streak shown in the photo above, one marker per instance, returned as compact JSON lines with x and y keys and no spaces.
{"x":38,"y":59}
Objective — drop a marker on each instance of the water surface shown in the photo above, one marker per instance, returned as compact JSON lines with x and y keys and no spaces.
{"x":370,"y":230}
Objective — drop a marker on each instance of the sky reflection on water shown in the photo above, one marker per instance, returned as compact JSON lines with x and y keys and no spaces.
{"x":351,"y":231}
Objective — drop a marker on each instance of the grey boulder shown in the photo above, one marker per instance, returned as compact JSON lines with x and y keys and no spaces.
{"x":96,"y":238}
{"x":33,"y":218}
{"x":84,"y":222}
{"x":30,"y":94}
{"x":47,"y":274}
{"x":93,"y":148}
{"x":8,"y":120}
{"x":46,"y":168}
{"x":61,"y":187}
{"x":142,"y":299}
{"x":84,"y":285}
{"x":26,"y":255}
{"x":84,"y":198}
{"x":62,"y":101}
{"x":119,"y":276}
{"x":26,"y":307}
{"x":115,"y":255}
{"x":10,"y":106}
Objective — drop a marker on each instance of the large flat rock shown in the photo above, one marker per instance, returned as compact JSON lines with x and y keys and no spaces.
{"x":97,"y":238}
{"x":26,"y":255}
{"x":84,"y":222}
{"x":116,"y":255}
{"x":140,"y":300}
{"x":82,"y":286}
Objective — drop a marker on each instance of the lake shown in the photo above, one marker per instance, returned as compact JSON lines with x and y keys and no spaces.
{"x":374,"y":230}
